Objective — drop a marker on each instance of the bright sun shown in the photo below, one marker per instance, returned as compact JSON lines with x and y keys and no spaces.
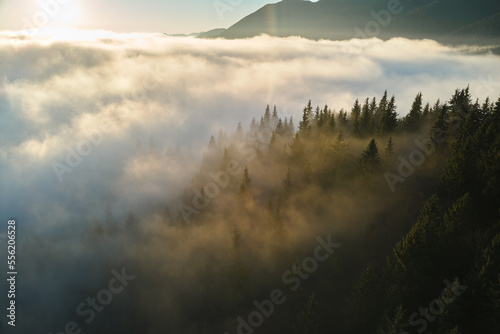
{"x":61,"y":13}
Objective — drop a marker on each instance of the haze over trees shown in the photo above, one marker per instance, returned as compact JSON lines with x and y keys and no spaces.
{"x":411,"y":202}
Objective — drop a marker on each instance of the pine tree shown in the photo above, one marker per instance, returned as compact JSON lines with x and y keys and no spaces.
{"x":226,"y":158}
{"x":355,"y":118}
{"x":239,"y":132}
{"x":317,"y":116}
{"x":373,"y":106}
{"x":280,"y":129}
{"x":310,"y":317}
{"x":427,"y":111}
{"x":389,"y":118}
{"x":381,"y":109}
{"x":340,"y":146}
{"x":439,"y":131}
{"x":291,"y":126}
{"x":456,"y":247}
{"x":342,"y":118}
{"x":253,"y":126}
{"x":287,"y":182}
{"x":370,"y":158}
{"x":436,"y":107}
{"x":324,"y":117}
{"x":409,"y":265}
{"x":487,"y":297}
{"x":267,"y":116}
{"x":460,"y":173}
{"x":246,"y":182}
{"x":389,"y":149}
{"x":272,"y":141}
{"x":297,"y":147}
{"x":331,"y":123}
{"x":366,"y":118}
{"x":460,"y":106}
{"x":212,"y":144}
{"x":274,"y":117}
{"x":411,"y":122}
{"x":363,"y":310}
{"x":305,"y":124}
{"x":395,"y":324}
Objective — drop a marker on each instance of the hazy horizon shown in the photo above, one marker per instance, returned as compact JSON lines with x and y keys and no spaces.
{"x":172,"y":17}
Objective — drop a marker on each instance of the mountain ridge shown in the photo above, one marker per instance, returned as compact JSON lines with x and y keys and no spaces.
{"x":448,"y":21}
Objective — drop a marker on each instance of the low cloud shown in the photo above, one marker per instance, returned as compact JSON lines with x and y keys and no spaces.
{"x":161,"y":98}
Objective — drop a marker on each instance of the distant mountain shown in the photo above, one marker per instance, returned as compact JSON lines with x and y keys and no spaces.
{"x":452,"y":21}
{"x":211,"y":33}
{"x":195,"y":34}
{"x":206,"y":34}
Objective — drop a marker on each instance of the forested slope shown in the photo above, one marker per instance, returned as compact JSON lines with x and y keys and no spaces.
{"x":355,"y":221}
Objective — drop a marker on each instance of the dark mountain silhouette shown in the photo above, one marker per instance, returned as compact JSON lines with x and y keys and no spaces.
{"x":211,"y":33}
{"x":450,"y":21}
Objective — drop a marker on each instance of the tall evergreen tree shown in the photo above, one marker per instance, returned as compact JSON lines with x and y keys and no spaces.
{"x":381,"y":109}
{"x":212,"y":144}
{"x":366,"y":119}
{"x":226,"y":158}
{"x":389,"y":118}
{"x":340,"y":145}
{"x":239,"y":132}
{"x":246,"y":182}
{"x":411,"y":122}
{"x":274,"y":117}
{"x":355,"y":118}
{"x":370,"y":158}
{"x":305,"y":124}
{"x":389,"y":149}
{"x":342,"y":118}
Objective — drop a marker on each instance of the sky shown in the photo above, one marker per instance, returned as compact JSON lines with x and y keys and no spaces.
{"x":168,"y":16}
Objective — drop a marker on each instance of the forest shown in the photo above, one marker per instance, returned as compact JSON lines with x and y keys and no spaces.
{"x":344,"y":221}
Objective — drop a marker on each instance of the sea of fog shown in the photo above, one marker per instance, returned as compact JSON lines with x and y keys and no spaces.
{"x":102,"y":119}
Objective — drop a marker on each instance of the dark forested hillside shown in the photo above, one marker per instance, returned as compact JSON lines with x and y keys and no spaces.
{"x":414,"y":202}
{"x":345,"y":221}
{"x":448,"y":21}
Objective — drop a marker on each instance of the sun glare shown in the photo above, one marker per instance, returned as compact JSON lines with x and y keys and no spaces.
{"x":60,"y":14}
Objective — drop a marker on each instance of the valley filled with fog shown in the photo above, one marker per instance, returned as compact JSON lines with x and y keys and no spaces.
{"x":105,"y":136}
